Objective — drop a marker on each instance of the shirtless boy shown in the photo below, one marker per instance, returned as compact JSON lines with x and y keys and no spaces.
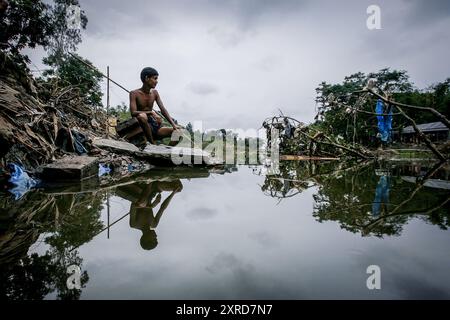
{"x":141,"y":107}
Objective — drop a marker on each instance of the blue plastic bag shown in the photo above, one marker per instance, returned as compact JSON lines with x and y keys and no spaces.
{"x":384,"y":121}
{"x":21,"y":181}
{"x":102,"y":170}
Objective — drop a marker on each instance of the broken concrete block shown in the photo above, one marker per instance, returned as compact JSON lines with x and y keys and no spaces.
{"x":71,"y":168}
{"x":161,"y":154}
{"x":115,"y":146}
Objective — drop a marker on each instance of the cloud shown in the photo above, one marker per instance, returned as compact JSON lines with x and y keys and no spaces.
{"x":230,"y":262}
{"x":202,"y":88}
{"x":201,"y":213}
{"x":117,"y":18}
{"x":423,"y":13}
{"x":264,"y":239}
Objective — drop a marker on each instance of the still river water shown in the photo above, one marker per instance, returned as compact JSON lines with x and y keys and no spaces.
{"x":310,"y":232}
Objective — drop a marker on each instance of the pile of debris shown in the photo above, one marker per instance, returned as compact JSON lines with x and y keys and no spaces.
{"x":299,"y":140}
{"x":33,"y":132}
{"x":40,"y":124}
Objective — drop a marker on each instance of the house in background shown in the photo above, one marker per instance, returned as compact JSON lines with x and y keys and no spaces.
{"x":435,"y":131}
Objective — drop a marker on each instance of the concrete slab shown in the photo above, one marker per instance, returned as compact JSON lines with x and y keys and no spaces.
{"x":115,"y":146}
{"x":161,"y":153}
{"x":71,"y":168}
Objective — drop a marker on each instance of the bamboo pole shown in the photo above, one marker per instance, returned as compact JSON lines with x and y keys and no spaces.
{"x":107,"y":102}
{"x":103,"y":75}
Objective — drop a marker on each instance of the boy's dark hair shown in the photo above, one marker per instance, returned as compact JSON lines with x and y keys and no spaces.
{"x":148,"y":72}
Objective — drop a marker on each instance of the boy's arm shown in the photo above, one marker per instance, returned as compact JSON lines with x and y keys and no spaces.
{"x":133,"y":106}
{"x":164,"y":111}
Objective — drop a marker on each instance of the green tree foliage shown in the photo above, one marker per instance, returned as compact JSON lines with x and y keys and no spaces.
{"x":65,"y":37}
{"x":121,"y":112}
{"x":31,"y":23}
{"x":71,"y":71}
{"x":345,"y":122}
{"x":26,"y":23}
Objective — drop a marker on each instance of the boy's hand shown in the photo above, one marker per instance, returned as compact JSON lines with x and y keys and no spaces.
{"x":157,"y":118}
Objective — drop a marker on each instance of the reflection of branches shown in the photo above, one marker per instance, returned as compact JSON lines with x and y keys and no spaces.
{"x":419,"y":186}
{"x":390,"y":215}
{"x":66,"y":220}
{"x":274,"y":194}
{"x":346,"y":196}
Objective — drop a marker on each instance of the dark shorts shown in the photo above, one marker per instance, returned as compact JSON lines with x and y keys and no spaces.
{"x":154,"y":126}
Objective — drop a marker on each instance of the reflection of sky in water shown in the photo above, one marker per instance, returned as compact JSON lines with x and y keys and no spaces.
{"x":221,"y":237}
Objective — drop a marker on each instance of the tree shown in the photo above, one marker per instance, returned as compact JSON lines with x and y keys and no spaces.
{"x":65,"y":37}
{"x":121,"y":111}
{"x":357,"y":122}
{"x":31,"y":23}
{"x":26,"y":23}
{"x":71,"y":71}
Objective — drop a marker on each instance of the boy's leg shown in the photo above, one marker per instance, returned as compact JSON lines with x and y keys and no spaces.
{"x":166,"y":132}
{"x":143,"y":122}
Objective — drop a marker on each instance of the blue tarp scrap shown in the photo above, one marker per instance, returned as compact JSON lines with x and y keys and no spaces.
{"x":384,"y":121}
{"x":21,"y":181}
{"x":79,"y":141}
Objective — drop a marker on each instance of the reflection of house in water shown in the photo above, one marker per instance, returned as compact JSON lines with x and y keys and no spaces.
{"x":431,"y":183}
{"x":415,"y":170}
{"x":435,"y":131}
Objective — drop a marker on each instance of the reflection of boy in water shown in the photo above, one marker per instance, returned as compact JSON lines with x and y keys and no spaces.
{"x":141,"y":211}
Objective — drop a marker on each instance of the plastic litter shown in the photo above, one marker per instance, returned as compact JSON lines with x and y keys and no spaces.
{"x":21,"y":180}
{"x":381,"y":196}
{"x":79,"y":141}
{"x":103,"y":169}
{"x":384,"y":121}
{"x":64,"y":141}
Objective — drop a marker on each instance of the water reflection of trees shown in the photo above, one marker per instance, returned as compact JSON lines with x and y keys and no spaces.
{"x":62,"y":222}
{"x":371,"y":199}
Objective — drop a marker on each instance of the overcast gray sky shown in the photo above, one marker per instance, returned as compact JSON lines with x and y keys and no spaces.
{"x":233,"y":63}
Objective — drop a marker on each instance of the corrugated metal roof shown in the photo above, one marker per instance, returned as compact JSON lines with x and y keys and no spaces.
{"x":427,"y":127}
